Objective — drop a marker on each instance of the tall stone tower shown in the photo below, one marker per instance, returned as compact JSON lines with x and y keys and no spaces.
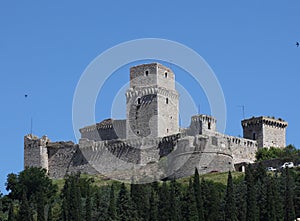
{"x":151,"y":102}
{"x":268,"y":132}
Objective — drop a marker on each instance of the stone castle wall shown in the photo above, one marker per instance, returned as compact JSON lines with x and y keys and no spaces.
{"x":180,"y":154}
{"x":108,"y":129}
{"x":176,"y":155}
{"x":149,"y":142}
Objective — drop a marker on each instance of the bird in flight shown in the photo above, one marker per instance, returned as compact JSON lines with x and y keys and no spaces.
{"x":297,"y":44}
{"x":26,"y":95}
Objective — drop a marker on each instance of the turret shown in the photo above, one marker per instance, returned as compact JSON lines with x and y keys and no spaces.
{"x":202,"y":124}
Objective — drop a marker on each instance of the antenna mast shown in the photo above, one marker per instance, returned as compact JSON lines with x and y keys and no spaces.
{"x":243,"y":110}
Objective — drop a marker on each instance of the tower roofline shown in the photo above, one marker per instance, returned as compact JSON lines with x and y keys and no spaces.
{"x":152,"y":64}
{"x":204,"y":117}
{"x":264,"y":120}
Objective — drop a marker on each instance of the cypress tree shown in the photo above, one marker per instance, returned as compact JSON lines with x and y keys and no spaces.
{"x":11,"y":213}
{"x":211,"y":201}
{"x":164,"y":203}
{"x":40,"y":207}
{"x":50,"y":217}
{"x":259,"y":173}
{"x":214,"y":205}
{"x":199,"y":199}
{"x":251,"y":214}
{"x":288,"y":197}
{"x":25,"y":211}
{"x":261,"y":201}
{"x":88,"y":205}
{"x":124,"y":206}
{"x":297,"y":195}
{"x":66,"y":195}
{"x":191,"y":203}
{"x":205,"y":196}
{"x":153,"y":211}
{"x":1,"y":208}
{"x":175,"y":194}
{"x":230,"y":206}
{"x":111,"y":211}
{"x":140,"y":199}
{"x":241,"y":191}
{"x":278,"y":193}
{"x":271,"y":200}
{"x":72,"y":199}
{"x":102,"y":200}
{"x":77,"y":200}
{"x":260,"y":176}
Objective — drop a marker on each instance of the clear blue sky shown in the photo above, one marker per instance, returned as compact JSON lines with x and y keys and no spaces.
{"x":45,"y":47}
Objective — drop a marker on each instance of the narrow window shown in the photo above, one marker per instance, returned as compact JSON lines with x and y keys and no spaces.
{"x":167,"y":130}
{"x":254,"y":136}
{"x":146,"y":73}
{"x":139,"y":100}
{"x":167,"y":100}
{"x":209,"y":125}
{"x":166,"y":74}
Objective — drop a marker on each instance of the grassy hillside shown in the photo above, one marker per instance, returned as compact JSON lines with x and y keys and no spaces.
{"x":100,"y":180}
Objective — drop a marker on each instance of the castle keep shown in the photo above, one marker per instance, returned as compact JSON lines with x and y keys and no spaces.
{"x":149,"y":144}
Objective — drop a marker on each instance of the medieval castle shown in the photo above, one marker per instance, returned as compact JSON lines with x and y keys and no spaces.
{"x":149,"y":143}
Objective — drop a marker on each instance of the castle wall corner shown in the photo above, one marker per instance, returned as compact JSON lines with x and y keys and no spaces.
{"x":35,"y":151}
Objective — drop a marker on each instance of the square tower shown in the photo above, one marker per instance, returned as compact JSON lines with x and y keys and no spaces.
{"x":151,"y":102}
{"x":269,"y":132}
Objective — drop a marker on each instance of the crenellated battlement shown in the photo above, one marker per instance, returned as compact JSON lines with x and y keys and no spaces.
{"x":150,"y":141}
{"x":204,"y":118}
{"x":267,"y":131}
{"x":257,"y":121}
{"x":241,"y":141}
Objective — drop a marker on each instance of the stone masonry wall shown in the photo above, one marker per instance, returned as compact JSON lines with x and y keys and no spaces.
{"x":201,"y":124}
{"x":269,"y":132}
{"x":65,"y":158}
{"x":108,"y":129}
{"x":35,"y":151}
{"x":143,"y":75}
{"x":165,"y":77}
{"x":274,"y":136}
{"x":142,"y":116}
{"x":209,"y":153}
{"x":243,"y":150}
{"x":168,"y":114}
{"x":152,"y":102}
{"x":150,"y":139}
{"x":199,"y":151}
